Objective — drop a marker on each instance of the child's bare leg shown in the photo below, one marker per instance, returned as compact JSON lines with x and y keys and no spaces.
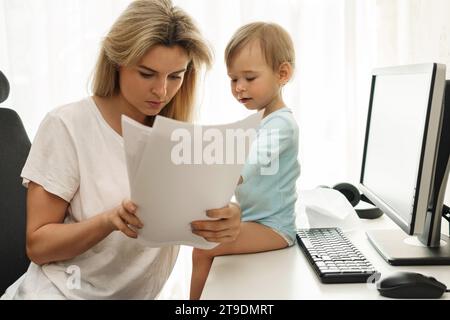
{"x":254,"y":237}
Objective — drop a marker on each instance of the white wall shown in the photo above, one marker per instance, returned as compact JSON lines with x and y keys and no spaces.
{"x":48,"y":49}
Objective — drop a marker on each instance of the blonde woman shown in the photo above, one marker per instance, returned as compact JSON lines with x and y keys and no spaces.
{"x":81,"y":230}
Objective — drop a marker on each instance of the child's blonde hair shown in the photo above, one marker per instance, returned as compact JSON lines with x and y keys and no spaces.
{"x":144,"y":24}
{"x":275,"y":42}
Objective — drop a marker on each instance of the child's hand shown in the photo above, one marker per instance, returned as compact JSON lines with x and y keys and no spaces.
{"x":124,"y":217}
{"x":225,"y":229}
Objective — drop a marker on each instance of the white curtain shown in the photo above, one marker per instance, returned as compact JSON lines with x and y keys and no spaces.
{"x":48,"y":49}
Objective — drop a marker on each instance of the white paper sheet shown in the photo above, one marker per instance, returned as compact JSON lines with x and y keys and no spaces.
{"x":171,"y":196}
{"x":135,"y":137}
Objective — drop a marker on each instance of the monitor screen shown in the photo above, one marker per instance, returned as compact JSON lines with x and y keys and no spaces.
{"x":395,"y":140}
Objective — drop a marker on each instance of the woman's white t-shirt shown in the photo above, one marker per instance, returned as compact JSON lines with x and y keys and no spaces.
{"x":77,"y":156}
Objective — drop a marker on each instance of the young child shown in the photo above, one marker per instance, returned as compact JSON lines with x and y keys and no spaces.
{"x":260,"y":60}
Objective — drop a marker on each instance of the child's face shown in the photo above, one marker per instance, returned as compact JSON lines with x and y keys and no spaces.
{"x":253,"y":82}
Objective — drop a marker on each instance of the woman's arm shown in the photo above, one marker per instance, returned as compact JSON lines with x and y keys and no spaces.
{"x":50,"y":240}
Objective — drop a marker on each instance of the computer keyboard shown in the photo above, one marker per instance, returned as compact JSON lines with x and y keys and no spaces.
{"x":334,"y":258}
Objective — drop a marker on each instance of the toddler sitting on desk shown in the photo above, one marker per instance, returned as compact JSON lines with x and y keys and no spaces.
{"x":260,"y":60}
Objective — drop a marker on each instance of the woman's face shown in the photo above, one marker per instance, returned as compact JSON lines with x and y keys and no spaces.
{"x":155,"y":80}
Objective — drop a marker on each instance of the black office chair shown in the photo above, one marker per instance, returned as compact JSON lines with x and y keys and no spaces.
{"x":14,"y":149}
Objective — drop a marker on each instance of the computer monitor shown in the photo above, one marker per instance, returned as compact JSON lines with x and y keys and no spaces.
{"x":405,"y":163}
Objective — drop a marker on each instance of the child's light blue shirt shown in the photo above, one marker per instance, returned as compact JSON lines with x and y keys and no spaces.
{"x":268,"y":193}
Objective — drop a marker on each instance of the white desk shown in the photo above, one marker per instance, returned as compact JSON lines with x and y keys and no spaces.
{"x":287,"y":275}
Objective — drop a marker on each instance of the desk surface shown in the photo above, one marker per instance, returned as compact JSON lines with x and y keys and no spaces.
{"x":287,"y":275}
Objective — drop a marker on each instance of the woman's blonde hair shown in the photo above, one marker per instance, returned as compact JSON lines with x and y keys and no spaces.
{"x":275,"y":43}
{"x":144,"y":24}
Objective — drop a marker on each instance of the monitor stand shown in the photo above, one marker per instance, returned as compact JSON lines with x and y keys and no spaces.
{"x":399,"y":249}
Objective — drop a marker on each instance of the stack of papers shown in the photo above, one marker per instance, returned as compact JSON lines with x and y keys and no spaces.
{"x":177,"y":171}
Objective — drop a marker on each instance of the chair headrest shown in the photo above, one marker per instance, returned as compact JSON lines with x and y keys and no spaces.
{"x":4,"y":87}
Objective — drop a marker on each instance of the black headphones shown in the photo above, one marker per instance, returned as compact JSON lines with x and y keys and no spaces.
{"x":354,"y":197}
{"x":4,"y":87}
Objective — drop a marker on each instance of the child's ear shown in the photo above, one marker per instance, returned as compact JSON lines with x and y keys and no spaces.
{"x":285,"y":73}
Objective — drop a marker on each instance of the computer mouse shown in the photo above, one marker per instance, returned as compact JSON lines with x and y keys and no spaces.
{"x":406,"y":285}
